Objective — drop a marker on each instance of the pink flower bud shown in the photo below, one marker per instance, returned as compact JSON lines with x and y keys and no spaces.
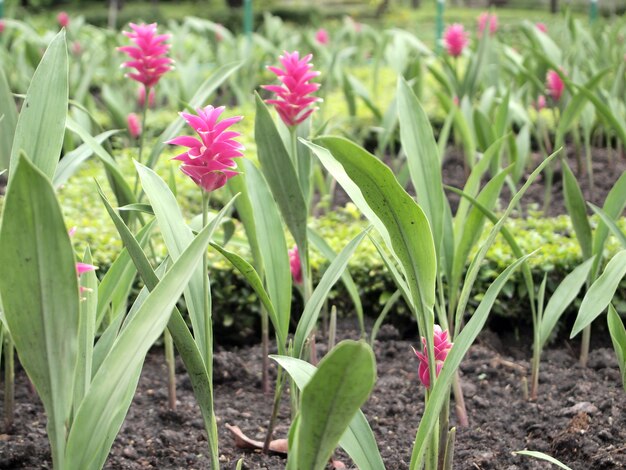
{"x":141,"y":97}
{"x":455,"y":39}
{"x":295,"y":265}
{"x":554,"y":85}
{"x":541,"y":102}
{"x":209,"y":162}
{"x":134,"y":125}
{"x":322,"y":37}
{"x":63,"y":19}
{"x":2,"y":26}
{"x":485,"y":20}
{"x":442,"y":346}
{"x":542,"y":27}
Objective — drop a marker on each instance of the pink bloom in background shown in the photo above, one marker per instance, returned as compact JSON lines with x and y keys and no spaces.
{"x":455,"y":39}
{"x":455,"y":100}
{"x":82,"y":268}
{"x":442,"y":346}
{"x":554,"y":85}
{"x":542,"y":27}
{"x":209,"y":160}
{"x":294,"y":98}
{"x":541,"y":102}
{"x":485,"y":20}
{"x":149,"y":55}
{"x":219,"y":35}
{"x":63,"y":19}
{"x":2,"y":26}
{"x":295,"y":265}
{"x":321,"y":36}
{"x":141,"y":97}
{"x":76,"y":48}
{"x":134,"y":125}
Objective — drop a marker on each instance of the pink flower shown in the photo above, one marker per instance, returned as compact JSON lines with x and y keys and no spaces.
{"x":455,"y":100}
{"x":293,"y":97}
{"x":295,"y":265}
{"x":455,"y":39}
{"x":219,"y":35}
{"x":542,"y":27}
{"x":487,"y":19}
{"x":321,"y":36}
{"x":76,"y":48}
{"x":209,"y":161}
{"x":554,"y":85}
{"x":2,"y":26}
{"x":441,"y":348}
{"x":82,"y":268}
{"x":141,"y":97}
{"x":148,"y":55}
{"x":134,"y":125}
{"x":541,"y":102}
{"x":63,"y":19}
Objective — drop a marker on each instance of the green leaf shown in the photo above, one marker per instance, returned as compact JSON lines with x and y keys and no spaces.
{"x":346,"y":278}
{"x":281,"y":175}
{"x":40,"y":297}
{"x":403,"y":225}
{"x":270,"y":236}
{"x":331,"y":398}
{"x":618,"y":337}
{"x":138,"y":207}
{"x":423,"y":159}
{"x":177,"y":236}
{"x":575,"y":205}
{"x":542,"y":456}
{"x":41,"y":123}
{"x":610,"y":223}
{"x":210,"y":85}
{"x":254,"y":280}
{"x":462,"y":344}
{"x":102,"y":412}
{"x":601,"y":292}
{"x":314,"y":305}
{"x":564,"y":295}
{"x":358,"y":441}
{"x":8,"y":121}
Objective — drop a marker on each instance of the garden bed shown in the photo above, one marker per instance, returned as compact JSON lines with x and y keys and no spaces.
{"x":580,"y":416}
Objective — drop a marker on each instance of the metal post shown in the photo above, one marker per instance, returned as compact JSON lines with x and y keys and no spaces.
{"x":439,"y":24}
{"x":593,"y":11}
{"x":248,"y":20}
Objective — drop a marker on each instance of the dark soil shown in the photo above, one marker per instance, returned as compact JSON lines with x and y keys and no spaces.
{"x":579,"y":418}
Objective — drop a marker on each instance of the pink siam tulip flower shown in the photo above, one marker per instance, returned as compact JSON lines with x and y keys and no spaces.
{"x":442,"y":346}
{"x":141,"y":97}
{"x":322,"y":37}
{"x":82,"y":268}
{"x":542,"y":27}
{"x":295,"y":265}
{"x":455,"y":39}
{"x":148,"y":56}
{"x":487,"y":20}
{"x":134,"y":125}
{"x":209,"y":160}
{"x":63,"y":19}
{"x":541,"y":102}
{"x":294,"y":98}
{"x":554,"y":85}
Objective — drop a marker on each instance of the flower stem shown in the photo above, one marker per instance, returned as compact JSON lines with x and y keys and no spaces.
{"x":208,"y":334}
{"x":144,"y":115}
{"x":171,"y":369}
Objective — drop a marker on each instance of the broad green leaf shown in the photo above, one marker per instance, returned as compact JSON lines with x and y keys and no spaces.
{"x":183,"y":339}
{"x":462,"y":343}
{"x":272,"y":245}
{"x":601,"y":292}
{"x":403,"y":225}
{"x":281,"y":175}
{"x":41,"y":123}
{"x":254,"y":280}
{"x":358,"y":440}
{"x":72,"y":161}
{"x":40,"y":297}
{"x":614,"y":205}
{"x":423,"y":160}
{"x":346,"y":278}
{"x":177,"y":236}
{"x":610,"y":223}
{"x":485,"y":134}
{"x":331,"y":398}
{"x":8,"y":121}
{"x":312,"y":308}
{"x":575,"y":205}
{"x":542,"y":456}
{"x":618,"y":337}
{"x":210,"y":85}
{"x":564,"y":295}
